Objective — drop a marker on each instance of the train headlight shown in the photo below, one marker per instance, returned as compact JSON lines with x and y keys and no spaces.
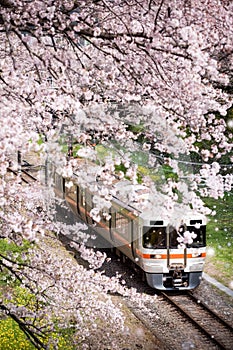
{"x":158,"y":256}
{"x":196,"y":267}
{"x":196,"y":255}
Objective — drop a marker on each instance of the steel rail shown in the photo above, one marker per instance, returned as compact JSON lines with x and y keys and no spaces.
{"x":16,"y":173}
{"x":202,"y":328}
{"x":205,"y":306}
{"x":198,"y":324}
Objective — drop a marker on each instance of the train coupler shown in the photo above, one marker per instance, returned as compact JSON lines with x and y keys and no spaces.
{"x":177,"y":276}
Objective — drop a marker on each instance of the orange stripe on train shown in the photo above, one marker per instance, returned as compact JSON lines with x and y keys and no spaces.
{"x":171,"y":256}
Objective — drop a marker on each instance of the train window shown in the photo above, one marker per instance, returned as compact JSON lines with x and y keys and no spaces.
{"x":193,"y":222}
{"x":157,"y":223}
{"x":105,"y":217}
{"x":113,"y":218}
{"x":173,"y":235}
{"x":154,"y":237}
{"x":122,"y":224}
{"x":59,"y":182}
{"x":88,"y":197}
{"x":72,"y":192}
{"x":200,"y":240}
{"x":82,"y":201}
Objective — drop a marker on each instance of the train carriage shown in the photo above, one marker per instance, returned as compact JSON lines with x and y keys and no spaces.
{"x":149,"y":241}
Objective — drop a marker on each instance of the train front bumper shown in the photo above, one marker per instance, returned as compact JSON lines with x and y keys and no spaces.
{"x":166,"y":281}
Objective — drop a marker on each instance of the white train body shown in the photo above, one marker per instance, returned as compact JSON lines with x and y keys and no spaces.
{"x":147,"y":240}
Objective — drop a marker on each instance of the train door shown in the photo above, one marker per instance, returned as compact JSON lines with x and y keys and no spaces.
{"x":88,"y":206}
{"x":121,"y":230}
{"x":59,"y":185}
{"x":71,"y":195}
{"x":172,"y":245}
{"x":81,"y":203}
{"x":78,"y":195}
{"x":134,"y":237}
{"x":112,"y":224}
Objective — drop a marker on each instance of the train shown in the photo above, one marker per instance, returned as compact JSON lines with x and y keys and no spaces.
{"x":145,"y":238}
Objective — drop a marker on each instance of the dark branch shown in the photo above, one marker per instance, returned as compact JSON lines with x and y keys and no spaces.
{"x":30,"y":334}
{"x":7,"y":3}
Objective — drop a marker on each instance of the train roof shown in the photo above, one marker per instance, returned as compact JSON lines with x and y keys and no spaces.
{"x":133,"y":192}
{"x":130,"y":197}
{"x":160,"y":216}
{"x":141,"y":201}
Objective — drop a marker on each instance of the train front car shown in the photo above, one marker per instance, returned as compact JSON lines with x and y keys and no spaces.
{"x":173,"y":258}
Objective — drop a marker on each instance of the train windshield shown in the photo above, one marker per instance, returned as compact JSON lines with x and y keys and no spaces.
{"x":154,"y":237}
{"x":173,"y":235}
{"x":200,"y":240}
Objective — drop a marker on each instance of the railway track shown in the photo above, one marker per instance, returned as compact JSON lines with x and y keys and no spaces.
{"x":215,"y":329}
{"x":26,"y":177}
{"x":25,"y":173}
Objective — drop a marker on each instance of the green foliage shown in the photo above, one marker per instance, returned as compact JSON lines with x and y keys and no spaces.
{"x":140,"y":158}
{"x":169,"y":173}
{"x":8,"y":247}
{"x":65,"y":339}
{"x":120,"y":167}
{"x":11,"y":336}
{"x":41,"y":140}
{"x":75,"y":148}
{"x":22,"y":297}
{"x":220,"y":235}
{"x":136,"y":128}
{"x":14,"y":252}
{"x":103,"y":152}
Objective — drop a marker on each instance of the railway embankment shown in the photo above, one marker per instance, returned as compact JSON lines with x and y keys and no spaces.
{"x":218,"y":285}
{"x":137,"y":334}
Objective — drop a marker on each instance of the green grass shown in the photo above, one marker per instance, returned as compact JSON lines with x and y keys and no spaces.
{"x":220,"y":239}
{"x":14,"y":252}
{"x":11,"y":336}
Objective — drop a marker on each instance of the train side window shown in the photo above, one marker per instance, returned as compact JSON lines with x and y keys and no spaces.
{"x":113,"y":218}
{"x":82,"y":201}
{"x":88,"y":200}
{"x":71,"y":192}
{"x":123,"y":225}
{"x":136,"y":231}
{"x":154,"y":237}
{"x":105,"y":217}
{"x":59,"y":182}
{"x":78,"y":198}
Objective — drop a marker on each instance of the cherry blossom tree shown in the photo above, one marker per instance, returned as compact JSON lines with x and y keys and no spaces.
{"x":101,"y":70}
